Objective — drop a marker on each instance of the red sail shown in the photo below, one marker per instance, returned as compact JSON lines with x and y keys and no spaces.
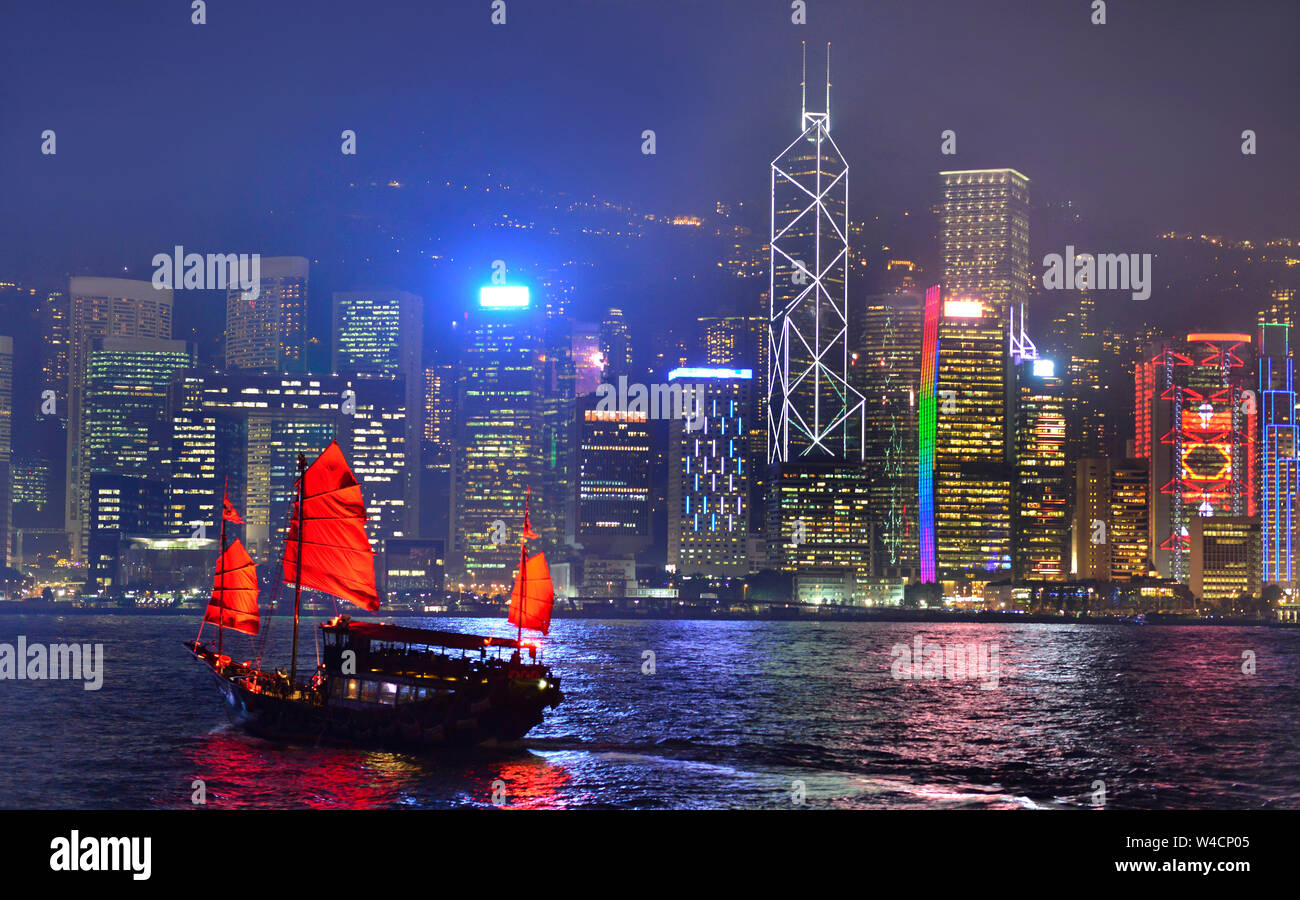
{"x":336,"y":558}
{"x":533,"y":596}
{"x":234,"y":591}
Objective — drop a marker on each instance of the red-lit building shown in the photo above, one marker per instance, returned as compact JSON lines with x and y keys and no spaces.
{"x":1198,"y":429}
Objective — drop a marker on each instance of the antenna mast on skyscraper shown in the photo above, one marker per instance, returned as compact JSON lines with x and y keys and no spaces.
{"x":828,"y":86}
{"x":803,"y":87}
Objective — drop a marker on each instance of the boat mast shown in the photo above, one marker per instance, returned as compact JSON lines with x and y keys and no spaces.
{"x":297,"y":586}
{"x":523,"y":569}
{"x":221,"y":571}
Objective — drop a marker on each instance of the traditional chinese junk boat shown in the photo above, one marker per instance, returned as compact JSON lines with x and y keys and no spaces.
{"x":377,"y":684}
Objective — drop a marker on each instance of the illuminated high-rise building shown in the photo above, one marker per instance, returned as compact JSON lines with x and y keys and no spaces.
{"x":816,"y":517}
{"x":887,"y":371}
{"x":588,"y":358}
{"x":56,"y":346}
{"x":1224,"y":557}
{"x":126,"y":423}
{"x":813,"y":413}
{"x":1280,"y":308}
{"x":612,"y":481}
{"x":1128,"y":532}
{"x":615,"y":344}
{"x":101,"y":308}
{"x":382,"y":333}
{"x":973,"y":452}
{"x":267,"y":332}
{"x":6,"y":444}
{"x":1200,"y":435}
{"x":280,"y":415}
{"x":708,"y":473}
{"x":207,"y":454}
{"x":1279,"y":457}
{"x":1039,"y":523}
{"x":984,"y":231}
{"x":1111,"y":541}
{"x":499,"y":436}
{"x":439,"y":414}
{"x":740,"y":342}
{"x":436,"y":452}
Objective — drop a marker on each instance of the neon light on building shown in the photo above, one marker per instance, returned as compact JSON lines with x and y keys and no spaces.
{"x":1203,"y":439}
{"x":1280,"y":470}
{"x":963,"y":309}
{"x":709,"y":373}
{"x":926,"y":414}
{"x":503,"y":296}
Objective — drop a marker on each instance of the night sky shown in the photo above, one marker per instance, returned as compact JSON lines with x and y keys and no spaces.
{"x":170,"y":132}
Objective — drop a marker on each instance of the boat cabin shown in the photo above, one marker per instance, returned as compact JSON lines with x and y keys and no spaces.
{"x":373,"y":662}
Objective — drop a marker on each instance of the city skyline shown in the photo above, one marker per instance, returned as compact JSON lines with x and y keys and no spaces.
{"x":649,"y":405}
{"x":997,"y":454}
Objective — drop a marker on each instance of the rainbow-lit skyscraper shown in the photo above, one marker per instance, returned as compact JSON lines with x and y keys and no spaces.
{"x":927,"y":407}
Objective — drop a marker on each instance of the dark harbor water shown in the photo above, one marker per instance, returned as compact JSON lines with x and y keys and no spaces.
{"x":736,"y":715}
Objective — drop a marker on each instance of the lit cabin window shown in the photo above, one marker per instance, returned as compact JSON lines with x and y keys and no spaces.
{"x":387,"y":693}
{"x":352,"y":689}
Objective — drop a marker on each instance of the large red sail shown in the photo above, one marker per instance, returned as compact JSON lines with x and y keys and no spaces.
{"x":336,"y":558}
{"x":234,"y":591}
{"x":533,"y":597}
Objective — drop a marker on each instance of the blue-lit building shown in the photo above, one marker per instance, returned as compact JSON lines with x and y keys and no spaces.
{"x":1279,"y":465}
{"x":710,"y":468}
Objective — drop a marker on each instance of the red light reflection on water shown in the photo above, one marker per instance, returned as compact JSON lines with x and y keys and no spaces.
{"x":239,"y":771}
{"x":529,"y":784}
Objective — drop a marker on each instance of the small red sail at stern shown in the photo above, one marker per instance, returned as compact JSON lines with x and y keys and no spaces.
{"x":336,"y":556}
{"x":533,"y":597}
{"x":234,"y":591}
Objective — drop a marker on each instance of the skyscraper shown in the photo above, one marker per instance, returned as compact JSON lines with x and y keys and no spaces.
{"x":207,"y":456}
{"x":708,"y":474}
{"x":984,"y":230}
{"x":1279,"y":456}
{"x":101,"y":308}
{"x":817,"y":489}
{"x":812,"y":410}
{"x":612,"y":481}
{"x":6,"y":444}
{"x":56,"y":346}
{"x":382,"y":333}
{"x":740,"y":342}
{"x":615,"y":344}
{"x":1110,"y":519}
{"x":499,"y":428}
{"x":267,"y":332}
{"x":1224,"y":554}
{"x":1039,"y":526}
{"x":126,"y":431}
{"x":1201,"y":437}
{"x":888,"y":373}
{"x":973,"y":451}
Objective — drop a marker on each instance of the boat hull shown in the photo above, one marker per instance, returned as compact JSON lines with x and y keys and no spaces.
{"x":489,"y":714}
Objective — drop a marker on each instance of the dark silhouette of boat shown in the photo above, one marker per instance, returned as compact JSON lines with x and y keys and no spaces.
{"x":377,"y":684}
